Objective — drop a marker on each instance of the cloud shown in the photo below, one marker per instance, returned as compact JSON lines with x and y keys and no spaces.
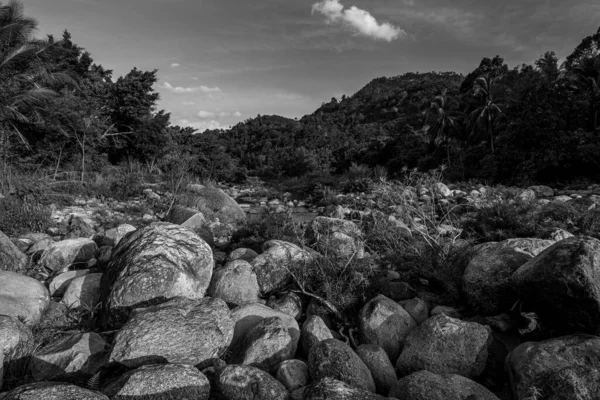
{"x":175,"y":65}
{"x":211,"y":115}
{"x":192,"y":89}
{"x":205,"y":114}
{"x":237,"y":114}
{"x":201,"y":126}
{"x":189,"y":103}
{"x":359,"y":20}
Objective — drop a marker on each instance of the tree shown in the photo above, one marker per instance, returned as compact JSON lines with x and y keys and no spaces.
{"x":440,"y":120}
{"x":548,"y":65}
{"x":488,"y":111}
{"x":584,"y":71}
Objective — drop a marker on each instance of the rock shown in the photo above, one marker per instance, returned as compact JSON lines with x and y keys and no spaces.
{"x":559,"y":368}
{"x":243,"y":382}
{"x":266,"y":345}
{"x":562,"y":199}
{"x":214,"y":202}
{"x":418,"y":309}
{"x":561,"y":284}
{"x":247,"y":316}
{"x":542,"y":191}
{"x":378,"y":362}
{"x":560,"y":234}
{"x":38,"y":248}
{"x":445,"y":345}
{"x":79,"y":227}
{"x":385,"y":323}
{"x":160,"y":382}
{"x":442,"y":189}
{"x":22,"y":297}
{"x":400,"y":227}
{"x":52,"y":391}
{"x":289,"y":303}
{"x":527,"y":195}
{"x":425,"y":385}
{"x":187,"y":217}
{"x":271,"y":267}
{"x":78,"y":353}
{"x":182,"y":330}
{"x":235,"y":283}
{"x":11,"y":258}
{"x":104,"y":256}
{"x":242,"y":254}
{"x":113,"y":236}
{"x":61,"y":255}
{"x":59,"y":284}
{"x":16,"y":340}
{"x":155,"y":263}
{"x":334,"y":359}
{"x":337,"y":237}
{"x":83,"y":293}
{"x":150,"y":195}
{"x":314,"y":331}
{"x":333,"y":389}
{"x":293,"y":374}
{"x":396,"y":291}
{"x":445,"y":310}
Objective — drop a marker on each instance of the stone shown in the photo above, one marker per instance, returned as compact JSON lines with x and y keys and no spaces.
{"x":333,"y":389}
{"x":59,"y":283}
{"x":559,"y":368}
{"x":378,"y":362}
{"x":51,"y":391}
{"x":247,"y":316}
{"x":235,"y":283}
{"x":334,"y":359}
{"x":527,"y":195}
{"x":562,"y":199}
{"x":79,"y":227}
{"x":83,"y":293}
{"x":446,"y":310}
{"x":242,"y":254}
{"x":160,"y":382}
{"x":445,"y":345}
{"x":271,"y":267}
{"x":16,"y":340}
{"x":11,"y":258}
{"x":155,"y":263}
{"x":542,"y":191}
{"x":266,"y":345}
{"x":180,"y":331}
{"x":192,"y":218}
{"x":442,"y":189}
{"x":396,"y":291}
{"x":562,"y":284}
{"x":560,"y":234}
{"x":22,"y":297}
{"x":418,"y":309}
{"x":293,"y":374}
{"x":289,"y":303}
{"x":215,"y":202}
{"x":113,"y":236}
{"x":78,"y":353}
{"x":425,"y":385}
{"x":243,"y":382}
{"x":314,"y":331}
{"x":336,"y":237}
{"x":61,"y":255}
{"x":385,"y":323}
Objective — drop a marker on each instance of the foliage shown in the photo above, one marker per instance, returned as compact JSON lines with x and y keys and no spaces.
{"x":19,"y":216}
{"x":267,"y":226}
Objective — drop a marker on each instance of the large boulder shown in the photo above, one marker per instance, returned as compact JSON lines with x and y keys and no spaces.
{"x":337,"y":237}
{"x":314,"y":331}
{"x":542,"y":191}
{"x":335,"y":359}
{"x":153,"y":264}
{"x":445,"y":345}
{"x":182,"y":331}
{"x":11,"y":258}
{"x":385,"y":323}
{"x":59,"y":284}
{"x":52,"y":391}
{"x":559,"y":368}
{"x":562,"y":284}
{"x":160,"y":382}
{"x":83,"y":293}
{"x":16,"y":340}
{"x":242,"y":382}
{"x":425,"y":385}
{"x":22,"y":297}
{"x":235,"y":283}
{"x":289,"y":303}
{"x":333,"y":389}
{"x":113,"y":236}
{"x":272,"y":266}
{"x":59,"y":256}
{"x":378,"y":362}
{"x":215,"y":203}
{"x":293,"y":374}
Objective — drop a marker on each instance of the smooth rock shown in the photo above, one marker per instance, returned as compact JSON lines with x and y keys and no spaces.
{"x":11,"y":258}
{"x":235,"y":283}
{"x":60,"y":283}
{"x":293,"y":374}
{"x":271,"y":267}
{"x":83,"y":293}
{"x":289,"y":303}
{"x":244,"y":382}
{"x":418,"y":309}
{"x":61,"y":255}
{"x":314,"y":331}
{"x":22,"y":297}
{"x":333,"y":389}
{"x":378,"y":362}
{"x":242,"y":254}
{"x":51,"y":391}
{"x":16,"y":340}
{"x":336,"y":237}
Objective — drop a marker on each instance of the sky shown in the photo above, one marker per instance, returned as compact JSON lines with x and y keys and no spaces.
{"x":224,"y":61}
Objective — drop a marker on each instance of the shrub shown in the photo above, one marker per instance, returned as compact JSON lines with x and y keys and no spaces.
{"x":267,"y":226}
{"x":19,"y":216}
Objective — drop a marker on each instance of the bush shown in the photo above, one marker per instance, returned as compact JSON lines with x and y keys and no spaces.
{"x":19,"y":216}
{"x":267,"y":226}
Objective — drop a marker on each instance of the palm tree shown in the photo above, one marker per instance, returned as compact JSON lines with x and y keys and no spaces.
{"x":439,"y":116}
{"x":488,"y":111}
{"x":585,"y":73}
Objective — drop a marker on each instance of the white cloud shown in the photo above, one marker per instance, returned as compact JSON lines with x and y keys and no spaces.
{"x":357,"y":19}
{"x":201,"y":126}
{"x":205,"y":114}
{"x":189,"y":103}
{"x":237,"y":114}
{"x":211,"y":115}
{"x":192,"y":89}
{"x":175,"y":65}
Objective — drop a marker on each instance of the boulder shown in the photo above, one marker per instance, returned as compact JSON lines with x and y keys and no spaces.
{"x":418,"y":309}
{"x":314,"y":331}
{"x":337,"y":237}
{"x":334,"y":359}
{"x":542,"y":191}
{"x":59,"y":284}
{"x":333,"y":389}
{"x":187,"y":217}
{"x":527,"y":195}
{"x":442,"y":189}
{"x":272,"y":265}
{"x":242,"y":254}
{"x":22,"y":297}
{"x":559,"y":368}
{"x":160,"y":382}
{"x":293,"y":374}
{"x":378,"y":362}
{"x":59,"y":256}
{"x":182,"y":331}
{"x":425,"y":385}
{"x":153,"y":264}
{"x":83,"y":293}
{"x":243,"y":382}
{"x":445,"y":345}
{"x":562,"y":284}
{"x":235,"y":283}
{"x":16,"y":340}
{"x":75,"y":354}
{"x":215,"y":203}
{"x":11,"y":258}
{"x":52,"y":391}
{"x":385,"y":323}
{"x":113,"y":236}
{"x":289,"y":303}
